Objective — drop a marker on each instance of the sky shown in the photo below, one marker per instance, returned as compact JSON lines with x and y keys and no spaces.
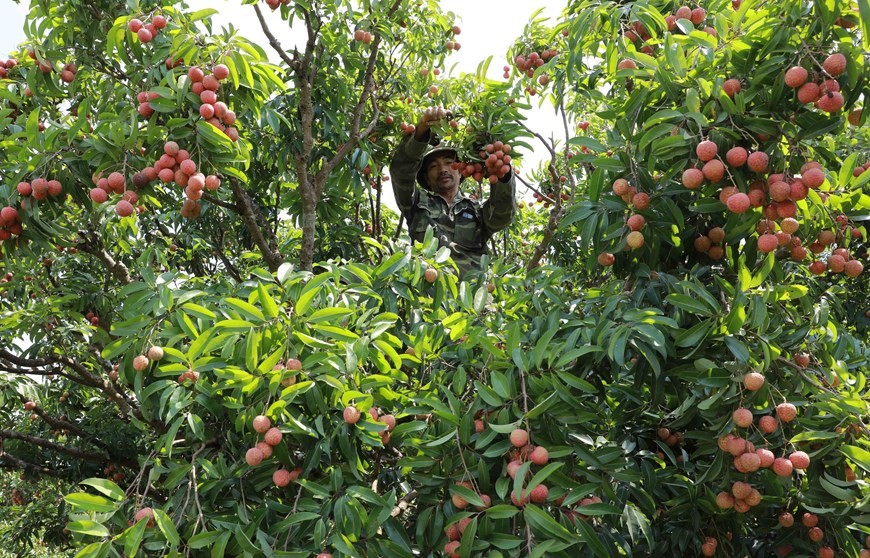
{"x":477,"y":18}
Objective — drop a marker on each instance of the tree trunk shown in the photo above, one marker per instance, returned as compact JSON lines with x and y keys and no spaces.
{"x":309,"y":222}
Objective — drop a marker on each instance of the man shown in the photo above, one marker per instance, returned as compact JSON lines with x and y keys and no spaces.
{"x":458,"y":222}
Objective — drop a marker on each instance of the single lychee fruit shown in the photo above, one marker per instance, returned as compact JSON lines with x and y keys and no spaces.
{"x":519,"y":438}
{"x":835,"y":64}
{"x":741,"y":490}
{"x":281,"y":478}
{"x":140,"y":363}
{"x":738,"y":203}
{"x":261,"y":424}
{"x":254,"y":457}
{"x":753,"y":381}
{"x":636,"y":222}
{"x":758,"y":161}
{"x":265,"y":449}
{"x":731,"y":87}
{"x":799,"y":459}
{"x":539,"y":494}
{"x":751,"y":462}
{"x":273,"y":437}
{"x":809,"y":93}
{"x":725,"y":500}
{"x":767,"y":243}
{"x":809,"y":520}
{"x":635,"y":239}
{"x":145,"y":513}
{"x":813,"y":178}
{"x":716,"y":235}
{"x":767,"y":424}
{"x":796,"y":76}
{"x":786,"y":519}
{"x":692,"y":178}
{"x":832,"y":101}
{"x":766,"y":457}
{"x":786,"y":412}
{"x":853,"y":268}
{"x":155,"y":353}
{"x":706,"y":150}
{"x":736,"y":156}
{"x":351,"y":415}
{"x":742,"y":417}
{"x":782,"y":467}
{"x":606,"y":259}
{"x":713,"y":170}
{"x":539,"y":456}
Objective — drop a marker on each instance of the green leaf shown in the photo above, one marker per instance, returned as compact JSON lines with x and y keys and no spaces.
{"x":246,"y":309}
{"x":204,"y":539}
{"x":105,"y":486}
{"x":860,"y":456}
{"x":164,"y":523}
{"x":311,"y":289}
{"x":267,"y":302}
{"x":89,"y":502}
{"x":87,"y":527}
{"x":546,"y":527}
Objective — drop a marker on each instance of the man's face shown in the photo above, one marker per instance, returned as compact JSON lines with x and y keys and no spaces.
{"x":441,"y":177}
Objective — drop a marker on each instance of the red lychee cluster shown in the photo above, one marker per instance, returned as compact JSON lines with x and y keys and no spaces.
{"x":407,"y":129}
{"x":387,"y":419}
{"x":748,"y":459}
{"x":696,"y":16}
{"x":524,"y":451}
{"x":453,"y":44}
{"x":264,"y":449}
{"x":189,"y":374}
{"x":526,"y":64}
{"x":40,"y":188}
{"x":10,"y":223}
{"x":45,"y":66}
{"x":672,"y":438}
{"x":362,"y":36}
{"x":213,"y":111}
{"x":709,"y":547}
{"x":146,"y":32}
{"x":175,"y":165}
{"x":68,"y":74}
{"x":116,"y":183}
{"x":496,"y":163}
{"x":6,"y":66}
{"x":143,"y":97}
{"x":712,"y":243}
{"x":274,"y":4}
{"x":638,"y":35}
{"x":810,"y":521}
{"x":824,"y":90}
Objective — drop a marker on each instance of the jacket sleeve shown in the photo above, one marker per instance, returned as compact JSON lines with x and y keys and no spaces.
{"x":501,"y":207}
{"x":403,"y":171}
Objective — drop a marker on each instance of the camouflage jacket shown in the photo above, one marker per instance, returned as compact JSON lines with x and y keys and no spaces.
{"x":467,"y":226}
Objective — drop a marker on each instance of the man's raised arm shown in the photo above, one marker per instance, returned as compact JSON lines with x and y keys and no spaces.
{"x":501,"y":206}
{"x":406,"y":160}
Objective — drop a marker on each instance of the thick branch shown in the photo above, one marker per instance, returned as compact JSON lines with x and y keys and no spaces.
{"x":253,"y":219}
{"x":219,"y":202}
{"x":72,"y":452}
{"x":93,"y":245}
{"x":356,"y":118}
{"x":13,"y":462}
{"x":273,"y":42}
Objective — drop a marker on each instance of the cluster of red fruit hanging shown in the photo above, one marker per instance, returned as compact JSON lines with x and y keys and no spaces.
{"x":146,"y":32}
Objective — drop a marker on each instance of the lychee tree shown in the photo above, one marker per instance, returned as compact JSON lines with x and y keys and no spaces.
{"x":649,"y":374}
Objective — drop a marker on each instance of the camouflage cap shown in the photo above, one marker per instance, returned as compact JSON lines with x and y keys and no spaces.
{"x":432,"y":152}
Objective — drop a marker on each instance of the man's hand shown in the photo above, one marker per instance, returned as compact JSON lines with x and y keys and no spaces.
{"x":431,"y":114}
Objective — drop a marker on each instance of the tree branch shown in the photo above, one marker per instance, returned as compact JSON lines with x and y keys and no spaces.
{"x":92,"y":244}
{"x":72,"y":452}
{"x":252,"y":218}
{"x":273,"y":42}
{"x":13,"y":462}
